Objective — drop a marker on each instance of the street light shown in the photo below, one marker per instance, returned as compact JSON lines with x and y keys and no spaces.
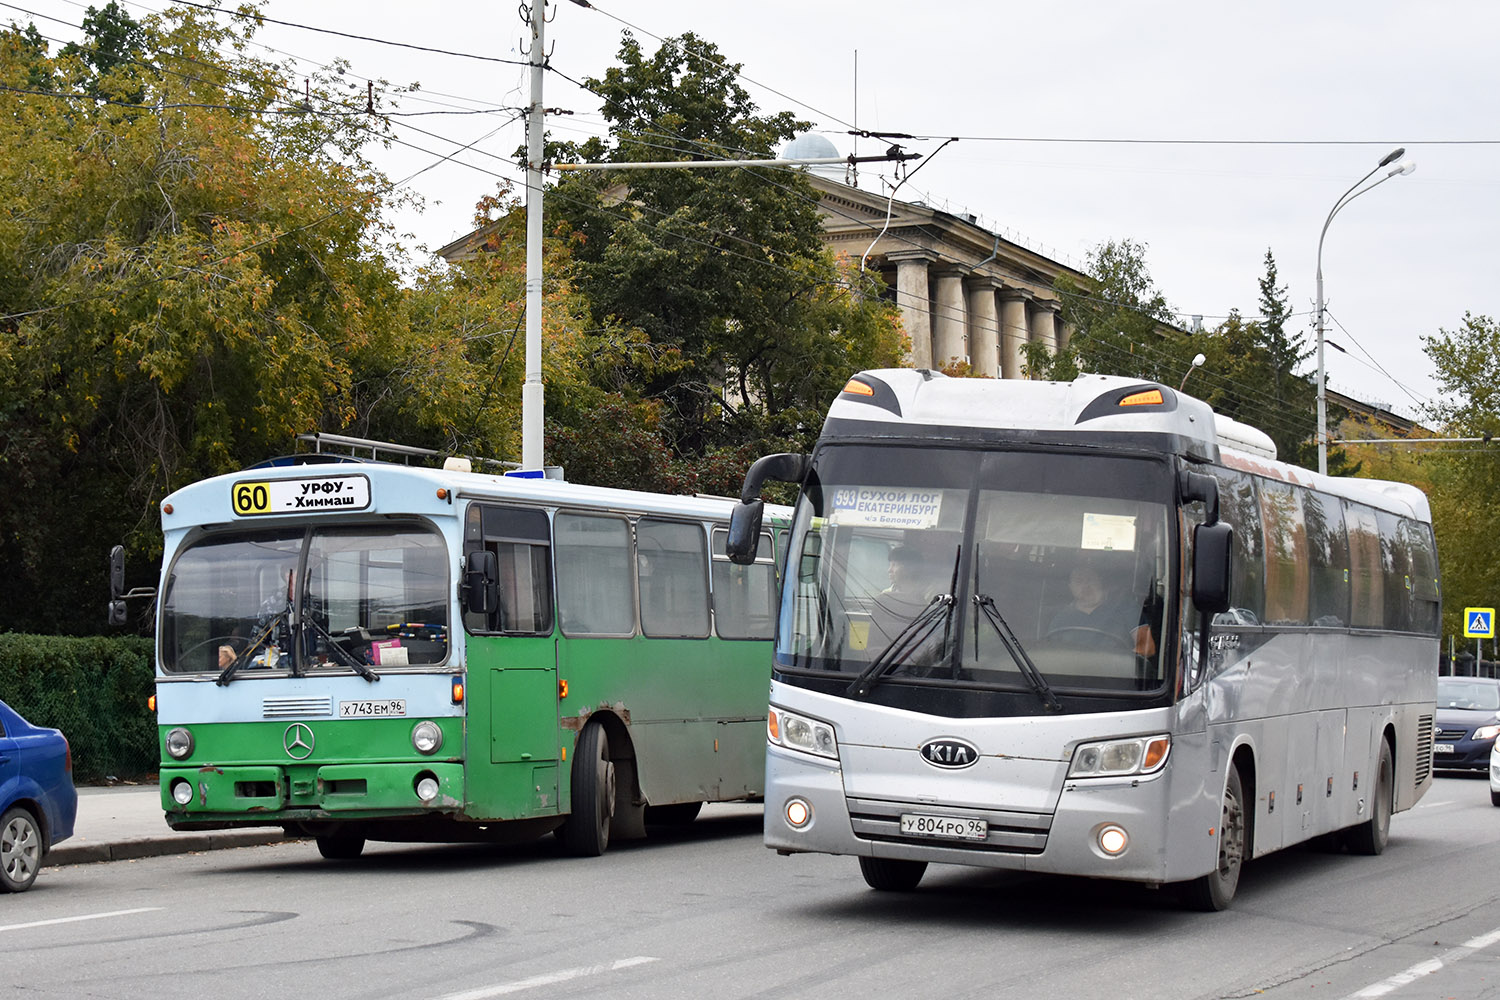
{"x":1405,"y":167}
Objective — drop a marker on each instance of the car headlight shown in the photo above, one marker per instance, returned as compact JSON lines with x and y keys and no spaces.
{"x":1487,"y":732}
{"x":1118,"y":758}
{"x":427,"y":738}
{"x":797,"y":732}
{"x":179,"y":744}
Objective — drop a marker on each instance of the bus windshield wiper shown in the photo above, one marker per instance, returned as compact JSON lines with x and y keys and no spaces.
{"x":1017,"y":652}
{"x":911,"y":637}
{"x":343,"y":655}
{"x":263,"y":636}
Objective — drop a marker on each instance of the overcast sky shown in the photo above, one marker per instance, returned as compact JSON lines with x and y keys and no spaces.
{"x":1276,"y":107}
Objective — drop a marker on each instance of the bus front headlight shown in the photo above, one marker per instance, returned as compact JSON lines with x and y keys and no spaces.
{"x":427,"y":738}
{"x":1120,"y":758}
{"x":797,"y":732}
{"x":179,"y":744}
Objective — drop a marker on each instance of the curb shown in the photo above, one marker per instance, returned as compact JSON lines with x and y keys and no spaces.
{"x":153,"y":847}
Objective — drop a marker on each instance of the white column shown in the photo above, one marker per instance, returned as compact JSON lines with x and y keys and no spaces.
{"x":984,"y":327}
{"x":913,"y":299}
{"x":950,"y":319}
{"x":1014,"y":331}
{"x":1044,"y":322}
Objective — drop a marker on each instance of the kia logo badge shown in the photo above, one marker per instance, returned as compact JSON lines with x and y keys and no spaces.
{"x":949,"y":753}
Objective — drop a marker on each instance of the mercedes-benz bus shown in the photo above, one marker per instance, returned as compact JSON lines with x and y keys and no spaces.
{"x":364,"y":650}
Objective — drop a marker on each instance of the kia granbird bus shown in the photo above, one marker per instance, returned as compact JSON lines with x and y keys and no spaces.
{"x":1137,"y":646}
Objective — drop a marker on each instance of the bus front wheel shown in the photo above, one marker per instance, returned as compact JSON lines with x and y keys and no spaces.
{"x":892,"y":874}
{"x":1215,"y":890}
{"x":340,"y":847}
{"x":1370,"y":837}
{"x":585,"y":832}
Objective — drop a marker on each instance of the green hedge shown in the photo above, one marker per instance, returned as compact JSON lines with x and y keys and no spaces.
{"x":92,"y":688}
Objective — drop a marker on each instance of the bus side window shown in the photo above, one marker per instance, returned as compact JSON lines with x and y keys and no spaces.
{"x":1366,"y":576}
{"x":744,"y":596}
{"x":1238,"y":507}
{"x":1286,"y":553}
{"x":1424,"y":578}
{"x":521,"y":541}
{"x":595,"y":577}
{"x":1328,"y":560}
{"x":672,"y":571}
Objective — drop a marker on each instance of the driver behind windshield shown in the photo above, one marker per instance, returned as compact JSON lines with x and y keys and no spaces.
{"x":1097,"y":609}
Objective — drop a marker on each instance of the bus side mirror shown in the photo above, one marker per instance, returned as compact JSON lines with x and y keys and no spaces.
{"x":481,"y":589}
{"x":117,"y":613}
{"x":1197,"y":486}
{"x":744,"y":523}
{"x":1212,"y":544}
{"x":744,"y":532}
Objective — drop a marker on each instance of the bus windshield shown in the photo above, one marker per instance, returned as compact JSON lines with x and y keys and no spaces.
{"x":369,"y":596}
{"x":979,"y":582}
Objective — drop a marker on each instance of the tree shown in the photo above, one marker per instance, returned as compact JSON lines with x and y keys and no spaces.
{"x":193,"y":271}
{"x":750,"y":326}
{"x":1117,"y":320}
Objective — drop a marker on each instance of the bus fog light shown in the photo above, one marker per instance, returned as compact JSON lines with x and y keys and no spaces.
{"x":427,"y":788}
{"x":182,"y":792}
{"x":798,"y":813}
{"x":1113,"y":840}
{"x":427,"y":738}
{"x":179,"y":745}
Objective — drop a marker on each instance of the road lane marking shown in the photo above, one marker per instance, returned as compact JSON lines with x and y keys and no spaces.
{"x":550,"y":978}
{"x":85,"y":916}
{"x":1426,"y":968}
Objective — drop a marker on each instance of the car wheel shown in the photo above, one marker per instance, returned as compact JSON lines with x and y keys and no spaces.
{"x":21,"y":849}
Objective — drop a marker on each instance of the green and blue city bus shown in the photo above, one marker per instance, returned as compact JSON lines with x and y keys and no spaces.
{"x":360,"y":650}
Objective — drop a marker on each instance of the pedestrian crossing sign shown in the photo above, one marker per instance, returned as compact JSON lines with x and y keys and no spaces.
{"x":1479,"y":623}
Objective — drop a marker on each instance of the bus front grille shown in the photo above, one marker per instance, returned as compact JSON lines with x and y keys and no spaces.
{"x":1425,"y":733}
{"x":295,"y":708}
{"x":1009,"y":832}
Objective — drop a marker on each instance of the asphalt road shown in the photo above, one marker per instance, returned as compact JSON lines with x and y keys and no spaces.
{"x":707,"y":912}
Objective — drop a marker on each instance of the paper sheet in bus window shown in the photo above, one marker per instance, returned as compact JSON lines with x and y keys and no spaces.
{"x":1110,"y":532}
{"x":886,"y":506}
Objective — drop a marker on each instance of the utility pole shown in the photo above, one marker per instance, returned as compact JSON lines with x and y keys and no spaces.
{"x":532,"y":392}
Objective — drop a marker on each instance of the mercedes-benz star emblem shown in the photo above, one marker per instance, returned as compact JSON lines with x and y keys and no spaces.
{"x":298,"y":741}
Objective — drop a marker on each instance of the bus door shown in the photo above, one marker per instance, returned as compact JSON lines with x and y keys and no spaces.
{"x":512,"y":670}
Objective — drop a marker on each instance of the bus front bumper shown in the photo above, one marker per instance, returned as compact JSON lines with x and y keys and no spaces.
{"x":273,"y":795}
{"x":1089,"y":816}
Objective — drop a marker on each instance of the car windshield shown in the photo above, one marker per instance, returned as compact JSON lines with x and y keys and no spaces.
{"x":1468,"y":693}
{"x":1019,"y":572}
{"x":329,"y":598}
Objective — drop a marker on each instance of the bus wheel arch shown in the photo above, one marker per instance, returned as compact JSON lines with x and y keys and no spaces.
{"x":1233,"y":835}
{"x":606,"y":800}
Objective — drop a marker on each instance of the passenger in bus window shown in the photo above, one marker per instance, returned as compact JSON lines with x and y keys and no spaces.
{"x":1100,"y":617}
{"x":915,"y":581}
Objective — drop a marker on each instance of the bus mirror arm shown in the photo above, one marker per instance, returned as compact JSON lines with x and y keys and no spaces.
{"x":744,"y":522}
{"x":481,"y":588}
{"x":118,"y":595}
{"x":1197,"y":486}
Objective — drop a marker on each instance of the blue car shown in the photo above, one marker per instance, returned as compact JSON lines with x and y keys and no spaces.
{"x":38,"y":803}
{"x":1468,"y":720}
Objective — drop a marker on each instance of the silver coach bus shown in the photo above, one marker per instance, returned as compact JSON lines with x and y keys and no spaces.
{"x":1087,"y":628}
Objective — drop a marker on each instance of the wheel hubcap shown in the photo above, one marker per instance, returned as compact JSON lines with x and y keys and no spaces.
{"x":1231,"y":837}
{"x":19,"y":849}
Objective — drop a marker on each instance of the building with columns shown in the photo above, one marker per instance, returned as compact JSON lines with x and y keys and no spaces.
{"x":966,"y":294}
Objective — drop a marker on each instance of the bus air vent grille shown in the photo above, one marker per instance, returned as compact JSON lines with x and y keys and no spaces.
{"x":1424,"y":748}
{"x":295,"y":708}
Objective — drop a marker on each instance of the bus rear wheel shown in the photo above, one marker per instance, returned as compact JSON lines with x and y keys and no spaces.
{"x":585,"y":833}
{"x":1215,"y":890}
{"x":892,"y":874}
{"x":1371,"y":836}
